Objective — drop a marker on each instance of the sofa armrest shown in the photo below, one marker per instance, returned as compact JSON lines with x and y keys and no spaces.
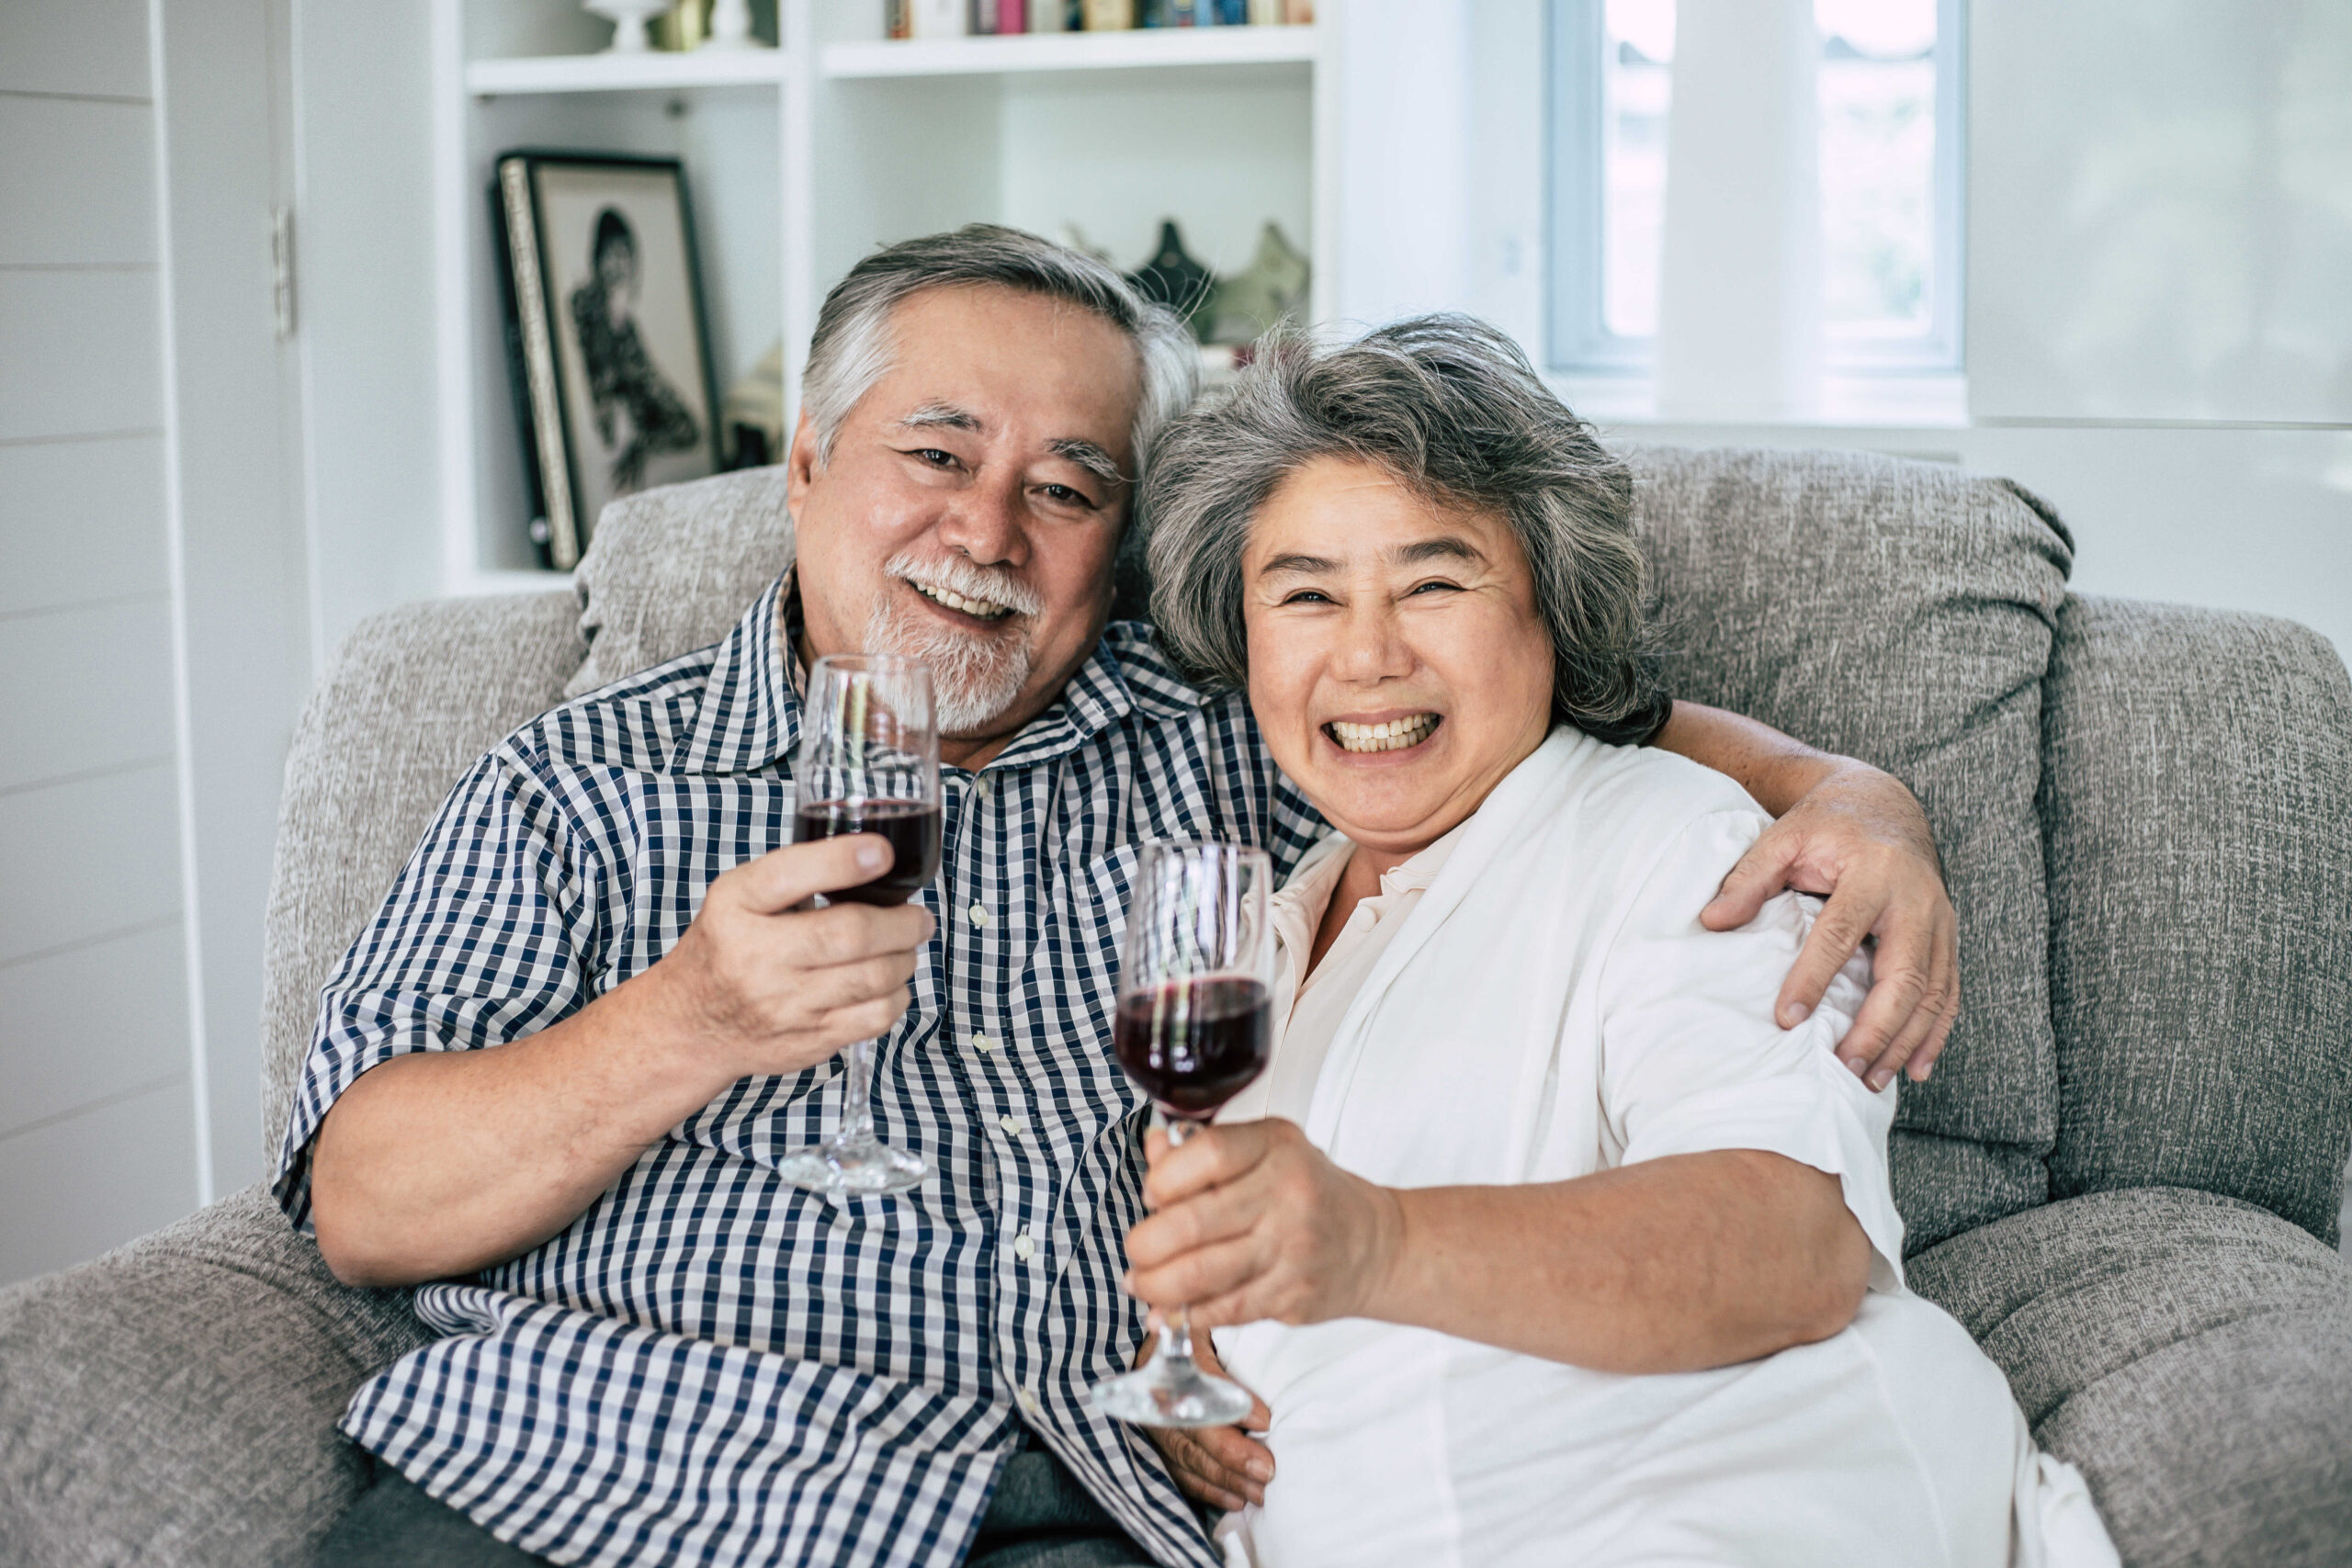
{"x":175,"y":1401}
{"x":2191,"y":1353}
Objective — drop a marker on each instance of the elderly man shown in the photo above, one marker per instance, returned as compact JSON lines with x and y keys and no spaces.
{"x":557,"y":1072}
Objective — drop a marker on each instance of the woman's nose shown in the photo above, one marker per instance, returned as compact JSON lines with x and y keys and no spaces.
{"x":1371,"y":647}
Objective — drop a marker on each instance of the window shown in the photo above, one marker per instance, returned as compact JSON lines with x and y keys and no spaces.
{"x":1887,"y":84}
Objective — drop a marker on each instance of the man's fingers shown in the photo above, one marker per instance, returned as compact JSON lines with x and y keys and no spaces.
{"x":1944,"y":999}
{"x":861,"y":980}
{"x":1842,"y":925}
{"x":1893,"y":1002}
{"x":848,"y":932}
{"x":783,"y":878}
{"x":866,"y":1021}
{"x":1762,"y":872}
{"x":1229,"y":1460}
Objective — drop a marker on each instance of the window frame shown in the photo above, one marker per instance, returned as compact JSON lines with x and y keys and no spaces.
{"x":1577,"y":339}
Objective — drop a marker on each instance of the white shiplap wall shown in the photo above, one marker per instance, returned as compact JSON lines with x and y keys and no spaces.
{"x":97,"y":1110}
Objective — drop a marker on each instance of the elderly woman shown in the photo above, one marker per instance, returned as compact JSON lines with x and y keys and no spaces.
{"x":1540,"y":1240}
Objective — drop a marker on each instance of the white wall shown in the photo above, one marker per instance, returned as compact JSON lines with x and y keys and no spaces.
{"x":97,"y":1104}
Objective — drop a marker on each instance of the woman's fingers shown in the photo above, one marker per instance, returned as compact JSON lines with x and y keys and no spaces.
{"x":1220,"y":1271}
{"x":1211,"y":1157}
{"x":1217,"y":1215}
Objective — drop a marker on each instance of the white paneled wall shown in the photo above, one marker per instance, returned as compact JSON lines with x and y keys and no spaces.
{"x":98,"y":1108}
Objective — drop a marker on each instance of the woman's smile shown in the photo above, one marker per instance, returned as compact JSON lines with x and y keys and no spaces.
{"x":1383,"y":735}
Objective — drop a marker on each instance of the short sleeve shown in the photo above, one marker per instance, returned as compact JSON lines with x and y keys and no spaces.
{"x":481,"y":941}
{"x":1692,"y":1060}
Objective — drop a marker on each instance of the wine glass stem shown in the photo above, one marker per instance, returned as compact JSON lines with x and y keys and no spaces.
{"x":1176,"y":1329}
{"x":858,"y":1096}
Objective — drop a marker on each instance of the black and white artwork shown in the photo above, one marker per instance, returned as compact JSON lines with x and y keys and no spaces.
{"x":613,"y":357}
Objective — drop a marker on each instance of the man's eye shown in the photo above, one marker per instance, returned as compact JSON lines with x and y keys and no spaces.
{"x":935,"y":457}
{"x":1308,"y":596}
{"x":1439,"y":587}
{"x":1066,"y":496}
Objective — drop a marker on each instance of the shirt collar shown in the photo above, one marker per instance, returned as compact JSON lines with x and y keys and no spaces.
{"x":750,"y":715}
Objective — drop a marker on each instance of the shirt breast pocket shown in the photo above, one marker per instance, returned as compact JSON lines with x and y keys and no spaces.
{"x":1074,"y":970}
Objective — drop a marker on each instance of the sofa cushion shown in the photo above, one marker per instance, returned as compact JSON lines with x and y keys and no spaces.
{"x":1901,"y":612}
{"x":2197,"y":793}
{"x":672,"y":570}
{"x":2191,"y":1353}
{"x":414,"y":698}
{"x":175,"y":1401}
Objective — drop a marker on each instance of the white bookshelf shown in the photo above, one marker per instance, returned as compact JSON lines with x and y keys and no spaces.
{"x":1162,"y":48}
{"x":801,"y":159}
{"x":624,"y":73}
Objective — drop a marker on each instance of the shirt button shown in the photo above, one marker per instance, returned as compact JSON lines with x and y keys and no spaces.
{"x":1030,"y":1402}
{"x":1014,"y":1126}
{"x":980,"y":784}
{"x":980,"y":917}
{"x":983,"y":1043}
{"x":1024,"y":1246}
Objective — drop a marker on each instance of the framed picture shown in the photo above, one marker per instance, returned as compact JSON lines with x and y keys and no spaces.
{"x":605,"y":335}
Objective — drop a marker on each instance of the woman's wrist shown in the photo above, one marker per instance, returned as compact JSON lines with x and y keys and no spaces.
{"x":1395,"y":1288}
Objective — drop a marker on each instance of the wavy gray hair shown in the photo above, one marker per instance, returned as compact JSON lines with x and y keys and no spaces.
{"x":851,"y":347}
{"x":1452,"y":408}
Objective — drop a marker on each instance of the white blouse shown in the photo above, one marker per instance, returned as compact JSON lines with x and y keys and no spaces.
{"x":1532,"y":999}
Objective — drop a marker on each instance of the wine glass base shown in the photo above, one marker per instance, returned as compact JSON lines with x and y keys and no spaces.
{"x":868,"y":1169}
{"x":1170,"y":1392}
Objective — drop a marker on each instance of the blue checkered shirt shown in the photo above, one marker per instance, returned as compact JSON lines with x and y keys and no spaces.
{"x":709,"y":1366}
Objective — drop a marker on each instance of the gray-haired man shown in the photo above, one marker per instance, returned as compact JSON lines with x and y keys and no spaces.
{"x":557,"y":1074}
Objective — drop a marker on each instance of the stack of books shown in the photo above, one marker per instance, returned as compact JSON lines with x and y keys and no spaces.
{"x":961,"y":18}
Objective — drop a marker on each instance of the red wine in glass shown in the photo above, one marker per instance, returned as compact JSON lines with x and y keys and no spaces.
{"x":1192,"y":1027}
{"x":1193,"y":1044}
{"x":868,"y":763}
{"x":911,"y":826}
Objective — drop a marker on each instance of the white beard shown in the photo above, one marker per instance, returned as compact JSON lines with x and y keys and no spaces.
{"x":975,"y":680}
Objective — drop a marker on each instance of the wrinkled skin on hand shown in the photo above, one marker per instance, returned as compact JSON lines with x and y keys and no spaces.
{"x":1861,"y":841}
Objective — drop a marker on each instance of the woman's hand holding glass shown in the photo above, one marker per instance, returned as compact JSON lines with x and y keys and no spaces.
{"x":1250,"y":1222}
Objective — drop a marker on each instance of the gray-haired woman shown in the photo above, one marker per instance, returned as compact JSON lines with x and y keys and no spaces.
{"x":1539,"y":1239}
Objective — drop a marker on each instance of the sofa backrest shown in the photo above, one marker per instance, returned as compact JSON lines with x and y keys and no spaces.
{"x":1898,"y":612}
{"x":412,"y":700}
{"x":1901,"y":612}
{"x":2197,"y":802}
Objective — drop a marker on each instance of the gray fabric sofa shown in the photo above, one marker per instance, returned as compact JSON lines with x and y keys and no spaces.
{"x":2125,"y":1179}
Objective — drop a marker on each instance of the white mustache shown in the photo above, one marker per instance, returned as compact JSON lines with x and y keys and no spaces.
{"x":967,"y":578}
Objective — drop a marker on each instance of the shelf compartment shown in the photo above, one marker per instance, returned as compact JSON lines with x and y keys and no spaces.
{"x":1142,"y":48}
{"x":653,"y":70}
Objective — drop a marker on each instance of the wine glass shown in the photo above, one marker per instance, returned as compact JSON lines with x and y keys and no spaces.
{"x":869,"y":763}
{"x":1194,"y":1026}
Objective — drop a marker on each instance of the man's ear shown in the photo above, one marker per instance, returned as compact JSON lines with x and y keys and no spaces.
{"x":801,"y":465}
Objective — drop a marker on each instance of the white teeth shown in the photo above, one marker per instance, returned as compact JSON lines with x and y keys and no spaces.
{"x":1393,"y":735}
{"x":955,"y":601}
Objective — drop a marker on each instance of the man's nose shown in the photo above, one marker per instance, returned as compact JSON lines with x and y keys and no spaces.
{"x":983,"y":522}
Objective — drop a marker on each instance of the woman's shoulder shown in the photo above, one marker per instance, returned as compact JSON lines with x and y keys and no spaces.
{"x":1644,"y":793}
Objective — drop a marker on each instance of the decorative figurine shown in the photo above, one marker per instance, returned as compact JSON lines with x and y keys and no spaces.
{"x":1173,"y":278}
{"x":629,"y":18}
{"x":1273,"y":288}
